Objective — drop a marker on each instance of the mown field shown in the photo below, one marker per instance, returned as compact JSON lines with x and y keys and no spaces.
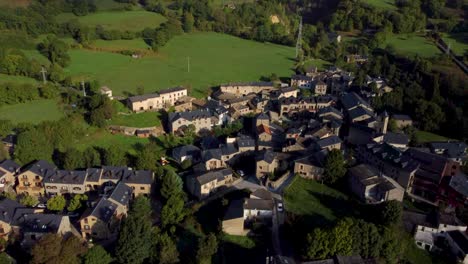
{"x":214,"y":59}
{"x":122,"y":44}
{"x":32,"y":112}
{"x":424,"y":136}
{"x":126,"y":20}
{"x":458,"y":42}
{"x":383,"y":4}
{"x":104,"y":139}
{"x":146,"y":119}
{"x":411,"y":45}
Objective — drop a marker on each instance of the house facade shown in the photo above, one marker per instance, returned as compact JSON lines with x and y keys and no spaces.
{"x":199,"y":119}
{"x":156,"y":101}
{"x":246,"y":88}
{"x":206,"y":183}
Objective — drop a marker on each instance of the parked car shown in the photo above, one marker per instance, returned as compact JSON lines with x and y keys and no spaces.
{"x":241,"y":173}
{"x":41,"y":205}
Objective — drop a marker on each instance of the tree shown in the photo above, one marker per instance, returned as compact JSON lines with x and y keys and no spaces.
{"x":148,"y":157}
{"x":391,"y":212}
{"x":429,"y":114}
{"x":367,"y":241}
{"x":115,"y":156}
{"x":51,"y":248}
{"x":133,"y":245}
{"x":207,"y":247}
{"x":189,"y":20}
{"x":5,"y":259}
{"x":318,"y":244}
{"x":167,"y":249}
{"x":171,"y":185}
{"x":5,"y":128}
{"x":28,"y":200}
{"x":334,"y":166}
{"x":341,"y":238}
{"x":77,"y":202}
{"x":173,"y":212}
{"x":73,"y":159}
{"x":56,"y":203}
{"x":56,"y":73}
{"x":97,"y":255}
{"x":55,"y":50}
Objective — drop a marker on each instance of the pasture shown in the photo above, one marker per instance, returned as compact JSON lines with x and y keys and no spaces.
{"x":145,"y":119}
{"x":104,"y":139}
{"x":411,"y":45}
{"x":121,"y":20}
{"x":214,"y":59}
{"x":32,"y":112}
{"x":458,"y":42}
{"x":121,"y":44}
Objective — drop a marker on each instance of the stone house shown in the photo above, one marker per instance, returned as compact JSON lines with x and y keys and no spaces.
{"x":245,"y":143}
{"x":246,"y":88}
{"x":140,"y":181}
{"x":329,"y":143}
{"x":63,"y":181}
{"x":156,"y":101}
{"x":212,"y":160}
{"x":106,"y":91}
{"x":233,"y":221}
{"x":258,"y":209}
{"x":311,"y":167}
{"x":319,"y":87}
{"x":266,"y":163}
{"x":402,"y":121}
{"x":8,"y":170}
{"x":264,"y":133}
{"x":30,"y":179}
{"x":366,"y":183}
{"x":200,"y":119}
{"x":188,"y":152}
{"x":34,"y":226}
{"x":287,"y":92}
{"x":203,"y":184}
{"x":301,"y":81}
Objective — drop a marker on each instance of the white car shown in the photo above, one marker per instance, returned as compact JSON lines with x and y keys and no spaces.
{"x":41,"y":205}
{"x":241,"y":173}
{"x":280,"y":207}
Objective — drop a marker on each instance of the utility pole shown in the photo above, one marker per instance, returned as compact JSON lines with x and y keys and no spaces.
{"x":299,"y":40}
{"x":43,"y":71}
{"x":188,"y":64}
{"x":83,"y":87}
{"x":448,"y":48}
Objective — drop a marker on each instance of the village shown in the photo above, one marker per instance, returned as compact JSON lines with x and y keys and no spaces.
{"x":288,"y":130}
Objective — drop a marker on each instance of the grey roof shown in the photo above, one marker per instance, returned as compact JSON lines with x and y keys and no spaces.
{"x":263,"y":116}
{"x":431,"y":166}
{"x":94,"y":174}
{"x":9,"y":166}
{"x":454,"y":149}
{"x":245,"y":142}
{"x":139,"y":177}
{"x":41,"y":167}
{"x":259,"y":204}
{"x":215,"y":107}
{"x":7,"y":209}
{"x":172,"y":90}
{"x":459,"y":183}
{"x":288,"y":89}
{"x":228,"y":149}
{"x":104,"y":210}
{"x":301,"y":77}
{"x":140,"y":98}
{"x":187,"y":150}
{"x":121,"y":194}
{"x":358,"y":112}
{"x":40,"y":223}
{"x":262,"y":194}
{"x":317,"y":159}
{"x":328,"y":141}
{"x":218,"y":175}
{"x":190,"y":115}
{"x":396,"y":138}
{"x":66,"y":177}
{"x":211,"y":154}
{"x":351,"y":100}
{"x":249,"y":84}
{"x":329,"y":110}
{"x":209,"y":142}
{"x":268,"y":156}
{"x":392,"y":155}
{"x":460,"y":239}
{"x":235,"y":210}
{"x":114,"y":173}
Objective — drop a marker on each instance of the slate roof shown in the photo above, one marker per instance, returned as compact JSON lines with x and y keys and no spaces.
{"x":235,"y":210}
{"x":259,"y":204}
{"x":263,"y":116}
{"x":392,"y":155}
{"x":211,"y":154}
{"x":261,"y":194}
{"x":431,"y":166}
{"x":450,"y":149}
{"x":94,"y":174}
{"x":187,"y":150}
{"x":245,"y":142}
{"x":358,"y":112}
{"x":209,"y":142}
{"x":40,"y":223}
{"x":139,"y":177}
{"x":121,"y":194}
{"x":218,"y":175}
{"x":66,"y":177}
{"x":402,"y":117}
{"x":460,"y":239}
{"x":317,"y":159}
{"x":190,"y":115}
{"x":351,"y":100}
{"x":9,"y":166}
{"x":172,"y":90}
{"x":7,"y":209}
{"x":459,"y":183}
{"x":114,"y":173}
{"x":287,"y":89}
{"x":41,"y":167}
{"x":104,"y":210}
{"x":396,"y":138}
{"x":329,"y":110}
{"x":249,"y":84}
{"x":328,"y":141}
{"x":268,"y":156}
{"x":301,"y":77}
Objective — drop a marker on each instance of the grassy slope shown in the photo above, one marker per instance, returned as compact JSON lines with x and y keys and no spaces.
{"x":424,"y":136}
{"x":128,"y":20}
{"x":146,"y":119}
{"x":315,"y":200}
{"x":15,"y":3}
{"x":104,"y":139}
{"x":4,"y":78}
{"x":31,"y":112}
{"x":383,"y":4}
{"x":215,"y":59}
{"x":412,"y":44}
{"x":458,"y":42}
{"x":121,"y":44}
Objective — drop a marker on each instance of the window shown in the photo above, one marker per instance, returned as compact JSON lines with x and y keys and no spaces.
{"x":25,"y":176}
{"x":86,"y":227}
{"x":26,"y":184}
{"x":86,"y":220}
{"x":142,"y":188}
{"x":38,"y":178}
{"x":141,"y":108}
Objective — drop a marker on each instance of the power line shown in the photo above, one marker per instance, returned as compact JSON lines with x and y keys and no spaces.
{"x":43,"y":71}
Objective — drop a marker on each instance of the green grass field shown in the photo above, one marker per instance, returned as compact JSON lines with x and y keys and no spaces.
{"x":122,"y":20}
{"x":15,"y":3}
{"x":382,"y":4}
{"x":4,"y":78}
{"x":32,"y":112}
{"x":316,"y":201}
{"x":146,"y":119}
{"x":411,"y":45}
{"x":319,"y":63}
{"x":102,"y":138}
{"x":458,"y":42}
{"x":214,"y":59}
{"x":424,"y":136}
{"x":121,"y":44}
{"x":108,"y":5}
